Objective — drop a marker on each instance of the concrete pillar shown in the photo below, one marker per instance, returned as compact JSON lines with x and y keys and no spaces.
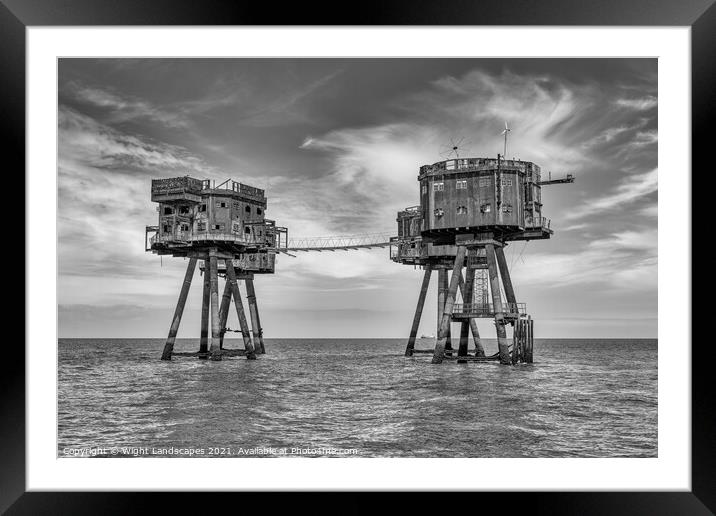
{"x":243,"y":324}
{"x":502,"y":343}
{"x":442,"y":292}
{"x":224,"y":311}
{"x":479,"y":348}
{"x":466,"y":292}
{"x":442,"y":295}
{"x":258,"y":321}
{"x":174,"y":328}
{"x":214,"y":349}
{"x":205,"y":308}
{"x":254,"y":312}
{"x":418,"y":311}
{"x":506,"y":280}
{"x":439,"y":352}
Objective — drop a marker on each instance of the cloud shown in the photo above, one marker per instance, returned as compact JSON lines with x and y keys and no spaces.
{"x":625,"y":260}
{"x":103,"y":200}
{"x":124,"y":108}
{"x":84,"y":140}
{"x":638,"y":104}
{"x":256,"y":104}
{"x":633,"y":188}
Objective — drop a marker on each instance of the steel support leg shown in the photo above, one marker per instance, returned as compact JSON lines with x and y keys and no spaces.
{"x":174,"y":328}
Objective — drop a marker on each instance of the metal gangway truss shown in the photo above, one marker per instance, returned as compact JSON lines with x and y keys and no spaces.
{"x":338,"y":243}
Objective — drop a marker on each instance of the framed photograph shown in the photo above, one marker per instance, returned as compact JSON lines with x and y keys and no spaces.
{"x":422,"y":249}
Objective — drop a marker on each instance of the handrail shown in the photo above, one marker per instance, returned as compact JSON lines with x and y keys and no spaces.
{"x":339,"y":242}
{"x":185,"y":237}
{"x":488,"y":308}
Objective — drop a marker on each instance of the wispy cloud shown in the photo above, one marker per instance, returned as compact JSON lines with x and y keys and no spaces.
{"x":104,"y":184}
{"x":252,"y":104}
{"x":638,"y":104}
{"x":122,"y":108}
{"x":87,"y":141}
{"x":625,"y":260}
{"x":633,"y":188}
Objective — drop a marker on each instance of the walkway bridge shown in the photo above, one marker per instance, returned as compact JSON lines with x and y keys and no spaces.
{"x":337,"y":243}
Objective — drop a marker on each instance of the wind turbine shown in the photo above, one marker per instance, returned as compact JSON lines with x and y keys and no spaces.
{"x":505,"y":131}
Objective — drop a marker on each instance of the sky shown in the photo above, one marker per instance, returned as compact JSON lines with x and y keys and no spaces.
{"x":336,"y":144}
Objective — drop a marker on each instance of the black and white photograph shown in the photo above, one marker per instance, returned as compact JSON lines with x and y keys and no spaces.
{"x":378,"y":257}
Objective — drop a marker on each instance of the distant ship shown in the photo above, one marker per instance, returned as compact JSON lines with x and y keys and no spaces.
{"x":427,"y":336}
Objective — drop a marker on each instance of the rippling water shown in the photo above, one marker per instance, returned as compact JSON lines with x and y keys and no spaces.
{"x":581,"y":398}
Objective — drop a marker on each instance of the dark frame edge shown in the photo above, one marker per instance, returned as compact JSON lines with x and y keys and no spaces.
{"x":701,"y":500}
{"x":703,"y":121}
{"x":12,"y":134}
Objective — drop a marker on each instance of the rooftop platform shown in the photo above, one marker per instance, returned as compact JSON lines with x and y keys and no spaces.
{"x":461,"y":165}
{"x":189,"y":189}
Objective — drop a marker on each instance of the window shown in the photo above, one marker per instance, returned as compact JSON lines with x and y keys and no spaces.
{"x":168,"y":210}
{"x":217,"y":227}
{"x":258,"y":211}
{"x":461,"y":185}
{"x":485,"y":208}
{"x":485,"y":181}
{"x":425,"y":189}
{"x":183,"y":210}
{"x":247,"y":230}
{"x":438,"y":187}
{"x":462,"y":210}
{"x":202,"y":207}
{"x":221,"y":204}
{"x":507,"y":208}
{"x":506,"y":182}
{"x":166,"y":228}
{"x":438,"y":212}
{"x":201,"y":226}
{"x":247,"y":209}
{"x":185,"y":227}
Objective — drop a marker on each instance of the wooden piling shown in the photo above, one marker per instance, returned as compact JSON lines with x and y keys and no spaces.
{"x":205,"y":309}
{"x":439,"y":352}
{"x":243,"y":324}
{"x":174,"y":328}
{"x":254,"y":312}
{"x":214,"y":349}
{"x":518,"y":340}
{"x":529,"y":341}
{"x":418,"y":311}
{"x":224,"y":312}
{"x":502,"y":343}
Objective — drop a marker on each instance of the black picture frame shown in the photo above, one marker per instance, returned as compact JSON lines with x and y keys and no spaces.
{"x":700,"y":15}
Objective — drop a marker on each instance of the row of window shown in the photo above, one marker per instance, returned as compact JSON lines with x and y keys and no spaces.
{"x":462,"y":210}
{"x":184,"y":210}
{"x":201,"y":226}
{"x":462,"y":184}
